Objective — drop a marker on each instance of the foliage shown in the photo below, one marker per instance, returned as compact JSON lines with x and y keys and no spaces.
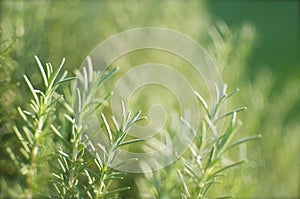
{"x":35,"y":134}
{"x":207,"y":160}
{"x":74,"y":176}
{"x":43,"y":28}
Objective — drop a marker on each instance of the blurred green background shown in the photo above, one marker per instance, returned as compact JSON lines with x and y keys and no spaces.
{"x":277,"y":32}
{"x":256,"y":45}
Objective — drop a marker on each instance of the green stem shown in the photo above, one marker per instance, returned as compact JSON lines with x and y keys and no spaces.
{"x":34,"y":153}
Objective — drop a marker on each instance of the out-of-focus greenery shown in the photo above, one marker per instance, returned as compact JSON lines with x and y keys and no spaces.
{"x":71,"y":29}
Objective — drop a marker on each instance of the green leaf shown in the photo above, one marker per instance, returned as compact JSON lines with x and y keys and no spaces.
{"x":107,"y":128}
{"x":21,"y":113}
{"x":106,"y":76}
{"x":32,"y":90}
{"x":191,"y":170}
{"x":98,"y":162}
{"x":208,"y":186}
{"x":121,"y":138}
{"x":131,"y":142}
{"x":65,"y":80}
{"x":63,"y":153}
{"x":29,"y":135}
{"x":49,"y":70}
{"x":204,"y":104}
{"x":227,"y":135}
{"x":232,"y":93}
{"x":62,"y":165}
{"x":42,"y":71}
{"x":85,"y":78}
{"x":56,"y":73}
{"x":55,"y":100}
{"x":211,"y":157}
{"x":231,"y":112}
{"x":78,"y":100}
{"x":115,"y":123}
{"x":84,"y":165}
{"x":241,"y":141}
{"x":90,"y":68}
{"x":226,"y":167}
{"x":185,"y":187}
{"x":21,"y":139}
{"x":134,"y":119}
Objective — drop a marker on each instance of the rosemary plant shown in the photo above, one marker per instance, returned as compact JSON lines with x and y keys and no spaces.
{"x":83,"y":168}
{"x":86,"y":173}
{"x":198,"y":170}
{"x":207,"y":161}
{"x":35,"y":134}
{"x":78,"y":164}
{"x":73,"y":159}
{"x":110,"y":153}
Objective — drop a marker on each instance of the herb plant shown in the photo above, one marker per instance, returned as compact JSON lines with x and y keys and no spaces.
{"x":81,"y":169}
